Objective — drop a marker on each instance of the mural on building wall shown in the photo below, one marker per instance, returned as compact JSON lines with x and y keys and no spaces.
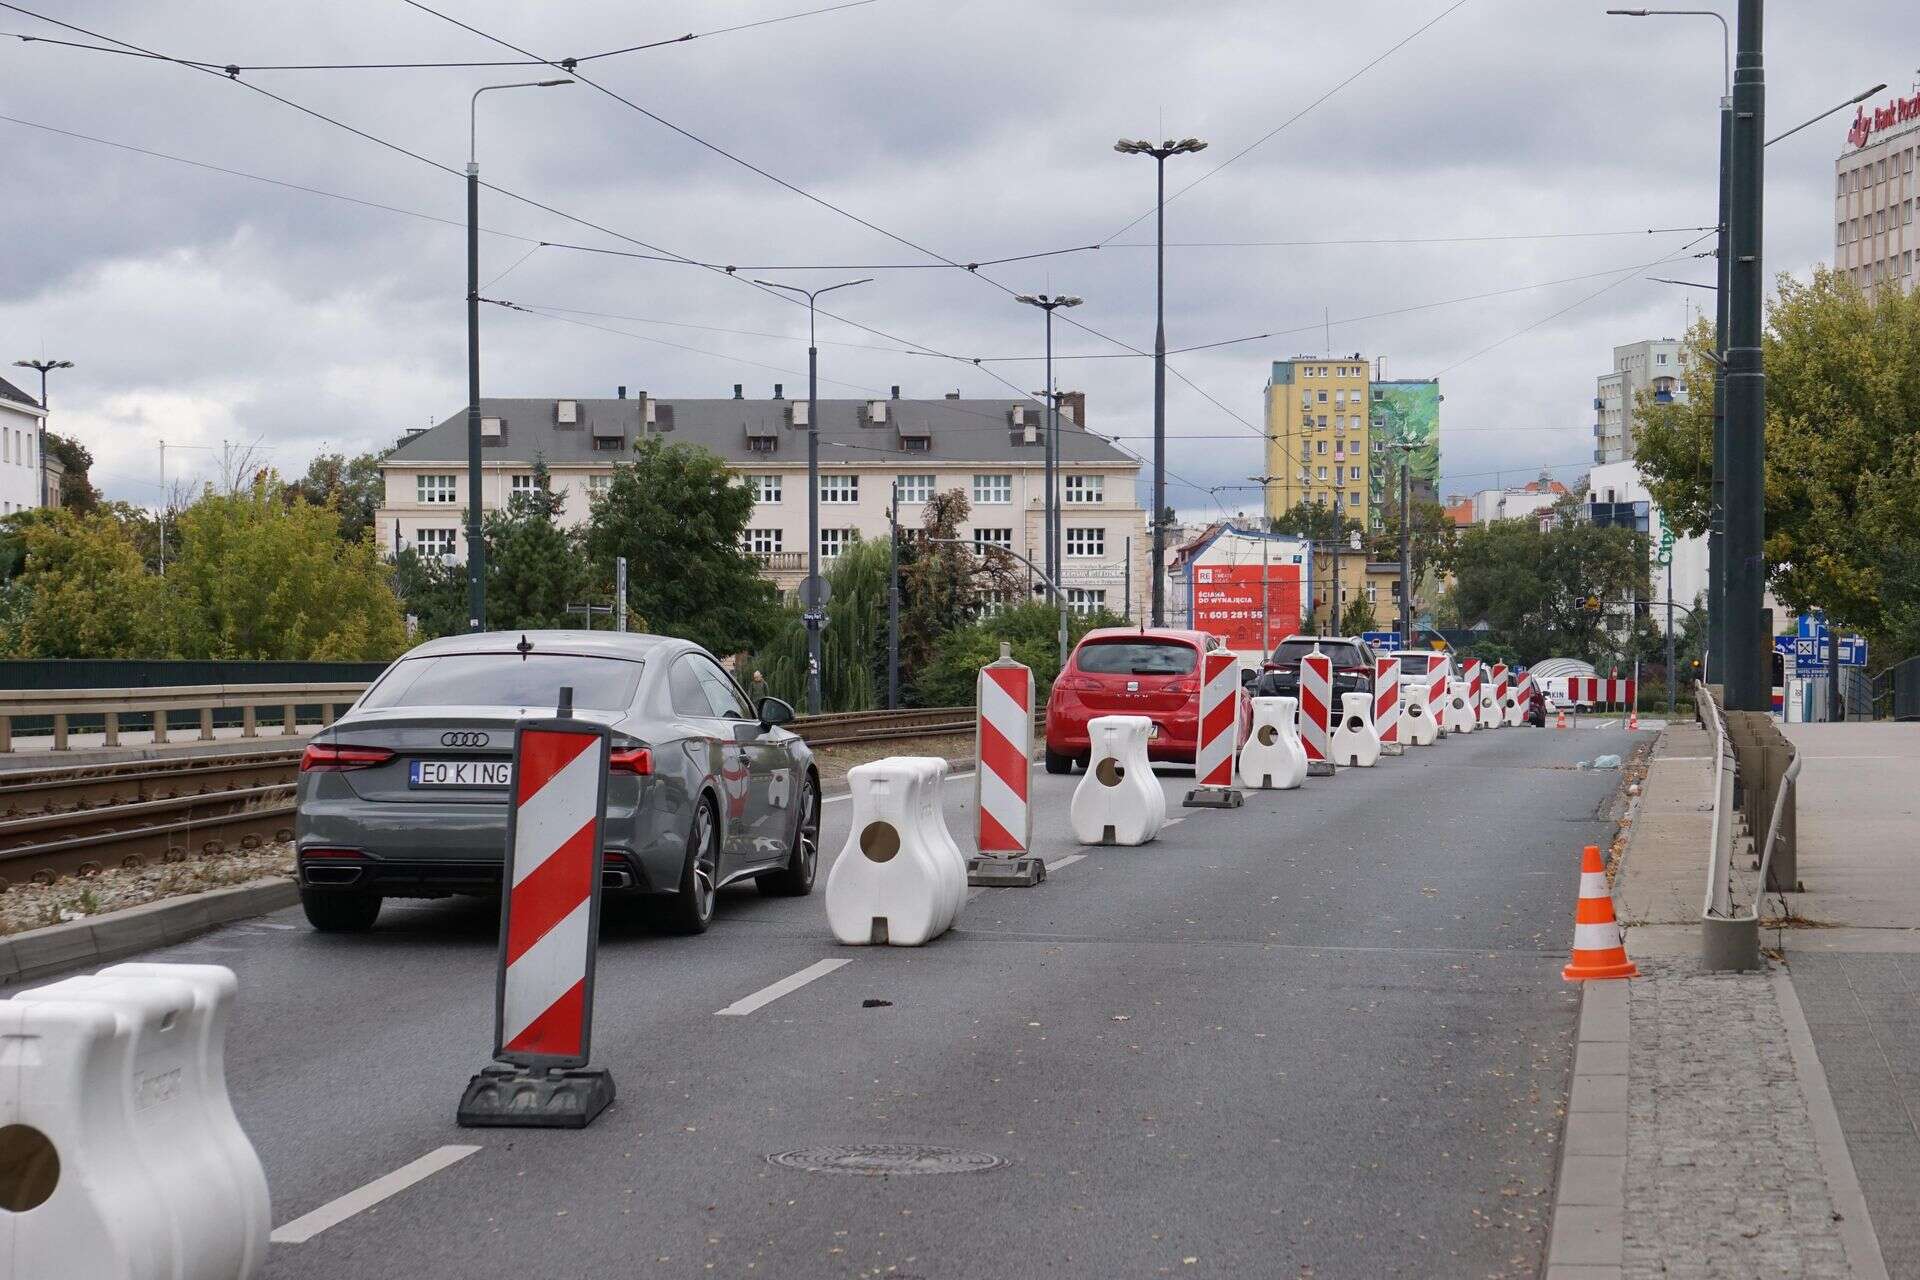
{"x":1405,"y":413}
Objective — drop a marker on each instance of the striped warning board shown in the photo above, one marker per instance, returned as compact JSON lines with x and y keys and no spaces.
{"x":1386,"y":699}
{"x":1004,"y":748}
{"x":1437,"y":686}
{"x":1219,"y":719}
{"x":1597,"y":691}
{"x":549,"y":921}
{"x":1316,"y":706}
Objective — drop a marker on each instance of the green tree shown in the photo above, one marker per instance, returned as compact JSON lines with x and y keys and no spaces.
{"x":1033,"y":630}
{"x":1430,"y":543}
{"x":77,"y":493}
{"x":260,"y":576}
{"x":853,"y":645}
{"x":1842,"y":452}
{"x":1314,"y":520}
{"x":678,"y":516}
{"x":534,"y":567}
{"x":352,"y":486}
{"x":84,"y":594}
{"x":1532,"y":586}
{"x":1359,"y":617}
{"x":944,"y":583}
{"x":432,"y":592}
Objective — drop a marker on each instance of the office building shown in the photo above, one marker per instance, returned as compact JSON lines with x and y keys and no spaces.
{"x":1653,"y":366}
{"x":1874,"y":196}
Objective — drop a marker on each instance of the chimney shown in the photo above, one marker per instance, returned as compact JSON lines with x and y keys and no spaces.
{"x":621,"y":394}
{"x":1073,"y":407}
{"x":779,"y":391}
{"x":896,"y":391}
{"x":739,"y":391}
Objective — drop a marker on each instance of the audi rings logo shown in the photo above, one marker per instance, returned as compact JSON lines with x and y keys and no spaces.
{"x":463,"y":738}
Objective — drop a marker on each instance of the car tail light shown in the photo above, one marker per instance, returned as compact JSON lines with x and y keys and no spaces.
{"x":333,"y":855}
{"x":326,"y":757}
{"x":635,"y":760}
{"x":1184,"y":686}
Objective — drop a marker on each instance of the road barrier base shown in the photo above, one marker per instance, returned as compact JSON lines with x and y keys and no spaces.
{"x":1730,"y":944}
{"x":1393,"y":748}
{"x":1213,"y":798}
{"x":503,"y":1096}
{"x":1319,"y":768}
{"x":989,"y":872}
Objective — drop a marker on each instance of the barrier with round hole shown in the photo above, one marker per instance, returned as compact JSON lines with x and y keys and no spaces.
{"x":893,"y":883}
{"x":1356,"y":743}
{"x":940,"y":837}
{"x":1458,"y":714}
{"x":1519,"y":699}
{"x":120,"y":1155}
{"x":1490,"y":714}
{"x":1419,"y":725}
{"x":1118,"y":801}
{"x":1274,"y":758}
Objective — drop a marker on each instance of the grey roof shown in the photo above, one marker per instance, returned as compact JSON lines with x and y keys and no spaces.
{"x":956,"y":431}
{"x":10,"y":392}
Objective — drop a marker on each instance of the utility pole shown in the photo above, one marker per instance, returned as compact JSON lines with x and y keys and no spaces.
{"x":1671,"y":674}
{"x":1266,"y":591}
{"x":1715,"y":668}
{"x":893,"y":603}
{"x":620,"y":593}
{"x":1747,"y":678}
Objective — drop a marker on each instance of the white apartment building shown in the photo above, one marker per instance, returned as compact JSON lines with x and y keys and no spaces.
{"x":21,"y":421}
{"x":1639,"y":366}
{"x":991,"y":450}
{"x":1617,"y":495}
{"x":1874,"y":196}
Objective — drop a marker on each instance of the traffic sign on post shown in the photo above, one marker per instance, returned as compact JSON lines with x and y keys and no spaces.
{"x":549,"y":933}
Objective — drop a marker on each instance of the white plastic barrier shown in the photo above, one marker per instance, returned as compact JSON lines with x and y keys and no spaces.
{"x":1519,"y":698}
{"x":1356,"y":744}
{"x":1488,"y":709}
{"x":1274,"y":758}
{"x":1119,"y":801}
{"x":1419,"y":726}
{"x":120,"y":1155}
{"x":1458,"y":714}
{"x":899,"y":879}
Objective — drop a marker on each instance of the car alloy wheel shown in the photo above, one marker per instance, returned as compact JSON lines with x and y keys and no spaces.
{"x":704,"y":868}
{"x":809,"y":832}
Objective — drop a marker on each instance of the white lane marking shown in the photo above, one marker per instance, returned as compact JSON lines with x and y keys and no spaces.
{"x":1061,"y":864}
{"x":335,"y":1212}
{"x":1174,"y":822}
{"x":767,"y":995}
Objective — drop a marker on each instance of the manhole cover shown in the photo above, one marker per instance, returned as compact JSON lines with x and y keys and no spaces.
{"x":883,"y":1159}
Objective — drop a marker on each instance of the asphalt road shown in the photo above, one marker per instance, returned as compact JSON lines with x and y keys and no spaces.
{"x":1323,"y":1035}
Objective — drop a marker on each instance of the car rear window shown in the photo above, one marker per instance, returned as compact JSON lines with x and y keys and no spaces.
{"x":1137,"y":658}
{"x":507,"y":680}
{"x":1343,"y":653}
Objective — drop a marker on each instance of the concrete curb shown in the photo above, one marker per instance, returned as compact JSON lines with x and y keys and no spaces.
{"x":1588,"y":1238}
{"x":40,"y":953}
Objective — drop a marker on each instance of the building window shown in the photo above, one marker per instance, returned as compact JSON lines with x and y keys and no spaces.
{"x":834,"y":541}
{"x":1322,"y":446}
{"x":609,"y":444}
{"x":1353,"y":499}
{"x":599,"y":484}
{"x":1373,"y":593}
{"x":1353,"y":473}
{"x":1323,"y":473}
{"x":766,"y":488}
{"x":993,"y":489}
{"x":1323,"y":397}
{"x":436,"y":544}
{"x":1084,"y":600}
{"x":522,"y":485}
{"x":1086,"y":488}
{"x":1323,"y":420}
{"x":755,"y":444}
{"x":1086,"y":542}
{"x":763,"y":542}
{"x":983,"y":539}
{"x":917,"y":488}
{"x":838,"y":489}
{"x":436,"y":488}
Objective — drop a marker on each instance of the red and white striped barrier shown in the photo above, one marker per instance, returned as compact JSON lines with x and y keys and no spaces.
{"x":1493,"y":688}
{"x":1519,"y":697}
{"x":1386,"y":703}
{"x":1437,"y":666}
{"x":1219,"y":732}
{"x":549,"y":932}
{"x":1598,"y":691}
{"x":1002,"y":782}
{"x":1316,"y":711}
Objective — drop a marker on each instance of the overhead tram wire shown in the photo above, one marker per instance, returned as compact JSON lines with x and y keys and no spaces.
{"x":232,"y":69}
{"x":1404,"y":240}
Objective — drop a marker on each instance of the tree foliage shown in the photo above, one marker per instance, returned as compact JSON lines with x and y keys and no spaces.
{"x":1531,"y":586}
{"x":1430,"y":543}
{"x":1842,"y":453}
{"x":678,"y":516}
{"x":1033,"y":630}
{"x":853,"y":645}
{"x":944,"y":583}
{"x":1314,"y":520}
{"x":83,"y":593}
{"x":352,"y":486}
{"x":535,"y":568}
{"x":77,"y":493}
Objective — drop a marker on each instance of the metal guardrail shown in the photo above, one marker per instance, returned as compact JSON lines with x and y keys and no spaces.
{"x":110,"y":706}
{"x":1730,"y":935}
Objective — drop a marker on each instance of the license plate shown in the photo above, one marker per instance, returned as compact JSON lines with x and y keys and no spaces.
{"x":460,"y":773}
{"x":1153,"y":731}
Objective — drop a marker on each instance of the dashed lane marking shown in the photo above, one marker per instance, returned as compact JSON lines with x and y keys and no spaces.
{"x":335,"y":1212}
{"x":787,"y":985}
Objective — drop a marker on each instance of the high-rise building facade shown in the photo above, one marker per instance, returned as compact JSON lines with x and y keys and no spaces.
{"x":1317,"y":438}
{"x":1874,"y":240}
{"x":1403,"y":429}
{"x":1652,"y":365}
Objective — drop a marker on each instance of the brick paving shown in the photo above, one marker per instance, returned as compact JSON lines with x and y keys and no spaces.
{"x":1723,"y":1177}
{"x":1864,"y":1013}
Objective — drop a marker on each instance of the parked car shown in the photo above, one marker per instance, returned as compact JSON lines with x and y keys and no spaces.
{"x":1352,"y":666}
{"x":1122,"y":671}
{"x":405,"y":796}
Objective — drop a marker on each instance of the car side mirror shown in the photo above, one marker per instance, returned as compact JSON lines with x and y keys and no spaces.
{"x":1248,"y":675}
{"x":773,"y":711}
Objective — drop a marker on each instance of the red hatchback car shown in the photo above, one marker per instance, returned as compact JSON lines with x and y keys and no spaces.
{"x":1122,"y":671}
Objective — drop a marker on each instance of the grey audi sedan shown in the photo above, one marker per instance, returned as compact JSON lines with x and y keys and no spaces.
{"x":405,"y":796}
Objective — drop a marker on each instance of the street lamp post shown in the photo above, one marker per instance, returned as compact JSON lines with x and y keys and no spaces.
{"x":476,"y":544}
{"x":1184,"y":146}
{"x":42,"y":366}
{"x":812,"y":593}
{"x":1051,"y":508}
{"x":1746,"y":677}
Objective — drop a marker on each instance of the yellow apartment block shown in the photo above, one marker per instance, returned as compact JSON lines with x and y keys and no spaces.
{"x":1317,"y":410}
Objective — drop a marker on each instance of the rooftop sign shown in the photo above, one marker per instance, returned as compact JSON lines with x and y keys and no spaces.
{"x":1872,"y":120}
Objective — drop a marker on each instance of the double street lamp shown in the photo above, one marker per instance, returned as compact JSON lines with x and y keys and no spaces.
{"x":813,"y":592}
{"x":1051,"y":508}
{"x":1160,"y":152}
{"x":476,"y":543}
{"x":43,"y":366}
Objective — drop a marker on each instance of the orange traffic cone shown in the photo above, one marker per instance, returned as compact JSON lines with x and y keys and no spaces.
{"x":1597,"y":949}
{"x":1633,"y":718}
{"x":1560,"y":718}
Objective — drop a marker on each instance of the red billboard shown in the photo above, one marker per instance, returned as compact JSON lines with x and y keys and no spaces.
{"x":1228,"y":601}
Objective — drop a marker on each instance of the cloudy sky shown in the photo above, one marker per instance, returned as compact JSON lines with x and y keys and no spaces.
{"x":208,"y":309}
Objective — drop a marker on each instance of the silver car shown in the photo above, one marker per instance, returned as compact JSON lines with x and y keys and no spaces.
{"x":405,"y":796}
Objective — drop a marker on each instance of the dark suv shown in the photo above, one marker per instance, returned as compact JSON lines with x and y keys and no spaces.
{"x":1352,"y":666}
